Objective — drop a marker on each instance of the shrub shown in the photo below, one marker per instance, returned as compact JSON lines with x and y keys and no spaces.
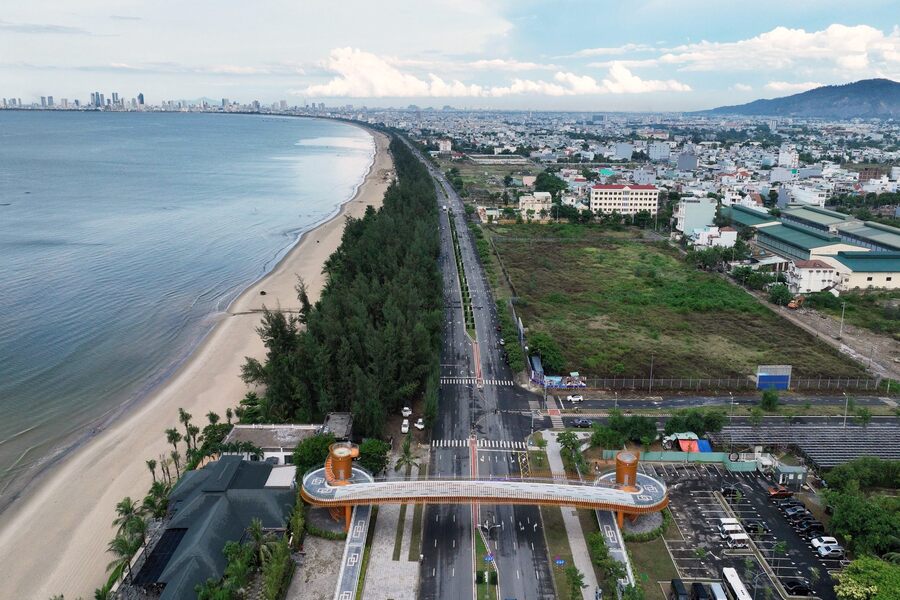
{"x":769,"y":400}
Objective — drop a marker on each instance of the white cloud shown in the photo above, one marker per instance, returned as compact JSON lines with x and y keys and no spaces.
{"x":360,"y":74}
{"x":787,"y":86}
{"x":612,"y":51}
{"x":492,"y":64}
{"x":742,"y":87}
{"x":850,"y":51}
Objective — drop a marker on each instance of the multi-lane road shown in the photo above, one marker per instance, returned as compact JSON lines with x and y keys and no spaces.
{"x":485,"y":407}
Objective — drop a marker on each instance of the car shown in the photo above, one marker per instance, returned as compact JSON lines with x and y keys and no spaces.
{"x":787,"y":503}
{"x":802,"y":515}
{"x":407,"y":411}
{"x":404,"y":427}
{"x":502,"y":342}
{"x":575,"y":398}
{"x":796,"y":586}
{"x":805,"y":527}
{"x":420,"y":424}
{"x":729,"y":491}
{"x":582,"y":423}
{"x":779,"y":491}
{"x":756,"y":526}
{"x":830,"y":551}
{"x":823,"y":540}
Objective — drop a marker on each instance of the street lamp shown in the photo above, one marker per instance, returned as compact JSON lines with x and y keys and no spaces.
{"x":846,"y":407}
{"x":841,"y":330}
{"x":650,"y":390}
{"x":754,"y":583}
{"x":616,"y":405}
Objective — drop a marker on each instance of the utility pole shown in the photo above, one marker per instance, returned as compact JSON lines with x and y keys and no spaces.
{"x":846,"y":407}
{"x":650,"y":391}
{"x":841,"y":330}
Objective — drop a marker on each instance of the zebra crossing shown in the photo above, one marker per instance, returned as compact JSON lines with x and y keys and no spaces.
{"x":471,"y":381}
{"x":481,"y":443}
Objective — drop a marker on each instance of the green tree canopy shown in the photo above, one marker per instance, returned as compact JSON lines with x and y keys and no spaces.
{"x":373,"y":455}
{"x":311,"y":453}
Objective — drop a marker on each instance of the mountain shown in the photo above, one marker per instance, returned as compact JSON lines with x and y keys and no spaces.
{"x":866,"y":99}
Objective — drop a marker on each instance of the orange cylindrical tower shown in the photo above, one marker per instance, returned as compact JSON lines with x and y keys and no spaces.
{"x":342,"y":455}
{"x":626,"y":470}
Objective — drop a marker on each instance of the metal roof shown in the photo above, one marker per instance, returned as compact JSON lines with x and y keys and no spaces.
{"x":747,"y":216}
{"x":870,"y":262}
{"x":883,"y":235}
{"x":798,"y":237}
{"x":819,"y":216}
{"x":271,"y":436}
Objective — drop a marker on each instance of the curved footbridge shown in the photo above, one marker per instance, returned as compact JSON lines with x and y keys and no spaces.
{"x":339,"y":484}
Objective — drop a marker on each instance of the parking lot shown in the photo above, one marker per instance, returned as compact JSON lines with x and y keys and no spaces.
{"x":697,"y":549}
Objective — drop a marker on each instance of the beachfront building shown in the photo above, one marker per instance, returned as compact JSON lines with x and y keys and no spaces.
{"x":624,"y":199}
{"x":207,"y":508}
{"x":277,"y":442}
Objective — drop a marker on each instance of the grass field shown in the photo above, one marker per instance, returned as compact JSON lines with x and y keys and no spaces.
{"x":612,"y":303}
{"x":487,"y":177}
{"x":557,"y":547}
{"x":651,"y":563}
{"x":877,"y":311}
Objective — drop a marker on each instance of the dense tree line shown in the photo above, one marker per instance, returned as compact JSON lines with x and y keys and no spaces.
{"x":370,"y":345}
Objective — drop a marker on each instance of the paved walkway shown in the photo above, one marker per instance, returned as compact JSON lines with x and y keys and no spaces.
{"x":574,"y":532}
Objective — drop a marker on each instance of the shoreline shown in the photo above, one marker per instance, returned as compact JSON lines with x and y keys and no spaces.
{"x":74,"y":493}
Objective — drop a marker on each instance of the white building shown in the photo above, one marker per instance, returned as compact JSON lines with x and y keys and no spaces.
{"x":277,"y":442}
{"x":694,"y":213}
{"x":660,"y":151}
{"x":535,"y":202}
{"x":445,"y":146}
{"x":726,"y":237}
{"x":808,"y":276}
{"x":802,"y":194}
{"x":788,"y":157}
{"x":624,"y":151}
{"x":624,"y":199}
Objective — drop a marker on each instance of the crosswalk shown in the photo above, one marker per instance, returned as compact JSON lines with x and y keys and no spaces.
{"x":471,"y":381}
{"x":481,"y":443}
{"x":556,"y":419}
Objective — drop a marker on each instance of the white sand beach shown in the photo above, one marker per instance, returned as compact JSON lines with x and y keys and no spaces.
{"x":53,"y":540}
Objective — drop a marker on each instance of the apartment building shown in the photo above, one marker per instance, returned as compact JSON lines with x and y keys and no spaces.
{"x":624,"y":199}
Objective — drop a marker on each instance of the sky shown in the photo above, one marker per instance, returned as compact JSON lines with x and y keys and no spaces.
{"x":585,"y":55}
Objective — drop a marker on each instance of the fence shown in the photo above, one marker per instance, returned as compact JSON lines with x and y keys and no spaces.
{"x":697,"y":457}
{"x":734,"y":383}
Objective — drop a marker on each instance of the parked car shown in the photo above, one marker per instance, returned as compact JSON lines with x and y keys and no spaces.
{"x":407,"y":411}
{"x":698,"y":591}
{"x":830,"y":551}
{"x":575,"y":398}
{"x":797,"y":587}
{"x":788,"y":503}
{"x":404,"y":427}
{"x":794,"y":510}
{"x":502,"y":342}
{"x":677,"y":590}
{"x":806,"y":527}
{"x":583,"y":423}
{"x":800,"y":516}
{"x":756,"y":526}
{"x":779,"y":491}
{"x":729,"y":491}
{"x":420,"y":424}
{"x":824,"y":540}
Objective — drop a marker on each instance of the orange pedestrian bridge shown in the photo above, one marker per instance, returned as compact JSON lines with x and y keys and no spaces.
{"x":341,"y":485}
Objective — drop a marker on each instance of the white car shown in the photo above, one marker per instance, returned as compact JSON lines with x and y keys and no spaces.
{"x":407,"y":411}
{"x":404,"y":428}
{"x":823,"y":541}
{"x":575,"y":398}
{"x":830,"y":551}
{"x":420,"y":424}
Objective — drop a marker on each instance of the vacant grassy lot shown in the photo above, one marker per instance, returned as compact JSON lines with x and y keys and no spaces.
{"x":611,"y":302}
{"x":487,"y":177}
{"x":651,"y":563}
{"x":877,"y":311}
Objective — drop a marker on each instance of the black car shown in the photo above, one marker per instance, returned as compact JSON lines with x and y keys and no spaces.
{"x":729,"y":491}
{"x":756,"y":526}
{"x":583,"y":423}
{"x":800,"y":516}
{"x":797,"y":587}
{"x":788,"y":503}
{"x":808,"y":527}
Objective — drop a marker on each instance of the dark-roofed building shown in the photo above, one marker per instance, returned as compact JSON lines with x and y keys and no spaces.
{"x":209,"y":507}
{"x":339,"y":424}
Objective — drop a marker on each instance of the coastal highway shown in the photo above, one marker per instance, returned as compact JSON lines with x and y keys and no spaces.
{"x":491,"y":410}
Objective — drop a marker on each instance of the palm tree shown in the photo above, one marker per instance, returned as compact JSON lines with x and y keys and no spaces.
{"x":127,"y":513}
{"x":151,"y":464}
{"x":176,"y":458}
{"x":262,"y":541}
{"x":185,"y":418}
{"x":173,"y":437}
{"x":406,"y":457}
{"x":212,"y":417}
{"x":229,"y":414}
{"x":123,"y":547}
{"x":156,"y":502}
{"x":193,"y":430}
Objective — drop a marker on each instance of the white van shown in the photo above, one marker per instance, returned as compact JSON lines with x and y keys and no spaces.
{"x":718,"y":592}
{"x":726,"y":530}
{"x":738,"y":540}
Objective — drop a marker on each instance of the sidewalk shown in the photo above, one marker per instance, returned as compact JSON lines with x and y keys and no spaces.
{"x":574,"y":532}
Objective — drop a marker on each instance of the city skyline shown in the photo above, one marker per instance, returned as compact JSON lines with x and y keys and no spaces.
{"x":529,"y":55}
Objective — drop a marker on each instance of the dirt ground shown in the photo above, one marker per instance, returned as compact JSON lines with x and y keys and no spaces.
{"x":316,"y":577}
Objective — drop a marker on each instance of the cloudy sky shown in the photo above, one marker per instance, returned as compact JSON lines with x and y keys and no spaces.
{"x":561,"y":54}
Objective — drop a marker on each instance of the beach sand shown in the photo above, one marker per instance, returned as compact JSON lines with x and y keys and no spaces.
{"x":53,"y":540}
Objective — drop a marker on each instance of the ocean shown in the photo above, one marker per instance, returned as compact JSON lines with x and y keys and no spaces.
{"x":124,"y":235}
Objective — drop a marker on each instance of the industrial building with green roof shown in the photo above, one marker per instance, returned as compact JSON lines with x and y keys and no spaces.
{"x":797,"y":243}
{"x":814,"y":217}
{"x":747,"y":217}
{"x":874,"y":236}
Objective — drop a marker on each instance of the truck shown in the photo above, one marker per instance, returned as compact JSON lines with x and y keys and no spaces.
{"x":796,"y":302}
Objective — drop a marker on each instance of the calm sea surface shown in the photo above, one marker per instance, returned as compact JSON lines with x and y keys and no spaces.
{"x":123,"y":235}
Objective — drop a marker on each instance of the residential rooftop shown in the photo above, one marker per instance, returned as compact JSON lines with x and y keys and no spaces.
{"x":271,"y":436}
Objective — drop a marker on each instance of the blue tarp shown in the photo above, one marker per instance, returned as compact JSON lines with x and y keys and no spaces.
{"x":703,"y":446}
